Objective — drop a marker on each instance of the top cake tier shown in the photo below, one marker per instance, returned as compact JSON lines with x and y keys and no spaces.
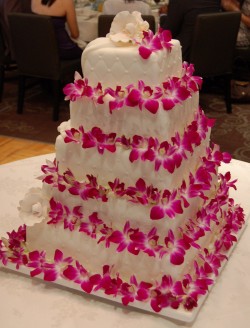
{"x":120,"y":63}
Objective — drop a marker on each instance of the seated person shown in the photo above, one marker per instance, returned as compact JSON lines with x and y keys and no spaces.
{"x":163,"y":10}
{"x":181,"y":18}
{"x":242,"y":51}
{"x":61,"y":12}
{"x":243,"y":38}
{"x":113,"y":7}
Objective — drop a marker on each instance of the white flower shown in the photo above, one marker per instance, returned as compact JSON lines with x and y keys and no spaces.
{"x":34,"y":207}
{"x":128,"y":28}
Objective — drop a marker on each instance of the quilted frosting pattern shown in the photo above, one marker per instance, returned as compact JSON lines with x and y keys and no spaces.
{"x":104,"y":62}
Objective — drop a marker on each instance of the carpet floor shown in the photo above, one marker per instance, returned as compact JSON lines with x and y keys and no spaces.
{"x":231,"y":131}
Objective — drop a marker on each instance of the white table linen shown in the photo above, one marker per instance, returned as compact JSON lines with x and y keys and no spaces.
{"x":87,"y":20}
{"x":26,"y":302}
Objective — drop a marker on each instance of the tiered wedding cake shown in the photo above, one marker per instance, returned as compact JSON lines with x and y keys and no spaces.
{"x":133,"y":207}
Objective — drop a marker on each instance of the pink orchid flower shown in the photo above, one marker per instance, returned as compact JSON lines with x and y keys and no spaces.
{"x":169,"y":206}
{"x":155,"y":42}
{"x":117,"y":187}
{"x":37,"y":261}
{"x":72,"y":218}
{"x":176,"y":248}
{"x":51,"y":175}
{"x":193,"y":83}
{"x":74,"y":135}
{"x":56,"y":213}
{"x":91,"y":226}
{"x":110,"y":285}
{"x":149,"y":243}
{"x":166,"y":294}
{"x":52,"y":271}
{"x":96,"y":138}
{"x":80,"y":276}
{"x":212,"y":262}
{"x":149,"y":44}
{"x":139,"y":148}
{"x":78,"y":89}
{"x":87,"y":189}
{"x":144,"y":96}
{"x":133,"y":291}
{"x":118,"y":98}
{"x":124,"y":240}
{"x":173,"y":93}
{"x":142,"y":193}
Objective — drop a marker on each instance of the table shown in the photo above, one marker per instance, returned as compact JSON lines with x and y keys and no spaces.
{"x":87,"y":20}
{"x":26,"y":302}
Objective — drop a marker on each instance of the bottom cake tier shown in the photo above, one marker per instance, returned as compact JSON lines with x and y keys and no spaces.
{"x":180,"y":300}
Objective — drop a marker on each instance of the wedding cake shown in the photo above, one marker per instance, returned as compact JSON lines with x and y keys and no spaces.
{"x":133,"y":207}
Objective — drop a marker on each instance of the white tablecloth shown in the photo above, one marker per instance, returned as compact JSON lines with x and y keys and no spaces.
{"x":87,"y":20}
{"x":26,"y":302}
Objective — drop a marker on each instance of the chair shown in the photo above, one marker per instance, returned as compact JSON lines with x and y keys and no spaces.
{"x":241,"y":66}
{"x":37,"y":56}
{"x":162,"y":20}
{"x":213,"y":47}
{"x":105,"y":21}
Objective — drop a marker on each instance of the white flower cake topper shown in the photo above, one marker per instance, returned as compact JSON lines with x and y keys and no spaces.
{"x":128,"y":28}
{"x":33,"y":208}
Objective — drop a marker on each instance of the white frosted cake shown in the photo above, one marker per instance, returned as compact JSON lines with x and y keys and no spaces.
{"x":133,"y":205}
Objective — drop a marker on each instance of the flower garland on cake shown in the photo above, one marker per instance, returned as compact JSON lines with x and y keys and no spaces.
{"x":172,"y":92}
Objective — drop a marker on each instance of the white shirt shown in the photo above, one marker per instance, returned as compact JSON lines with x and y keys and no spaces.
{"x":113,"y":7}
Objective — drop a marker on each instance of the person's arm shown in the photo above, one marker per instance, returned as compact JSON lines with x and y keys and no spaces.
{"x":174,"y":19}
{"x":71,"y":18}
{"x":246,"y":20}
{"x":230,"y":5}
{"x":234,"y":5}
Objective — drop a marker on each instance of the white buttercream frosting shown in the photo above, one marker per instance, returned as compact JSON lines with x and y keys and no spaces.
{"x":104,"y":62}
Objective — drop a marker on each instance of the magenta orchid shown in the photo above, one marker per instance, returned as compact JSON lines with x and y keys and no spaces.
{"x":135,"y":291}
{"x":176,"y":248}
{"x":52,"y":271}
{"x":91,"y":226}
{"x":51,"y":175}
{"x":116,"y":98}
{"x":126,"y":239}
{"x":37,"y":260}
{"x":166,"y":294}
{"x":169,"y":206}
{"x":79,"y":88}
{"x":193,"y":83}
{"x":144,"y":96}
{"x":80,"y":276}
{"x":151,"y":43}
{"x":173,"y":93}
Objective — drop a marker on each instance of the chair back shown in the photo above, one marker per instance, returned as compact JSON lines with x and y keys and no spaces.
{"x":35,"y":45}
{"x":2,"y":47}
{"x":213,"y":44}
{"x":162,"y":20}
{"x":105,"y":21}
